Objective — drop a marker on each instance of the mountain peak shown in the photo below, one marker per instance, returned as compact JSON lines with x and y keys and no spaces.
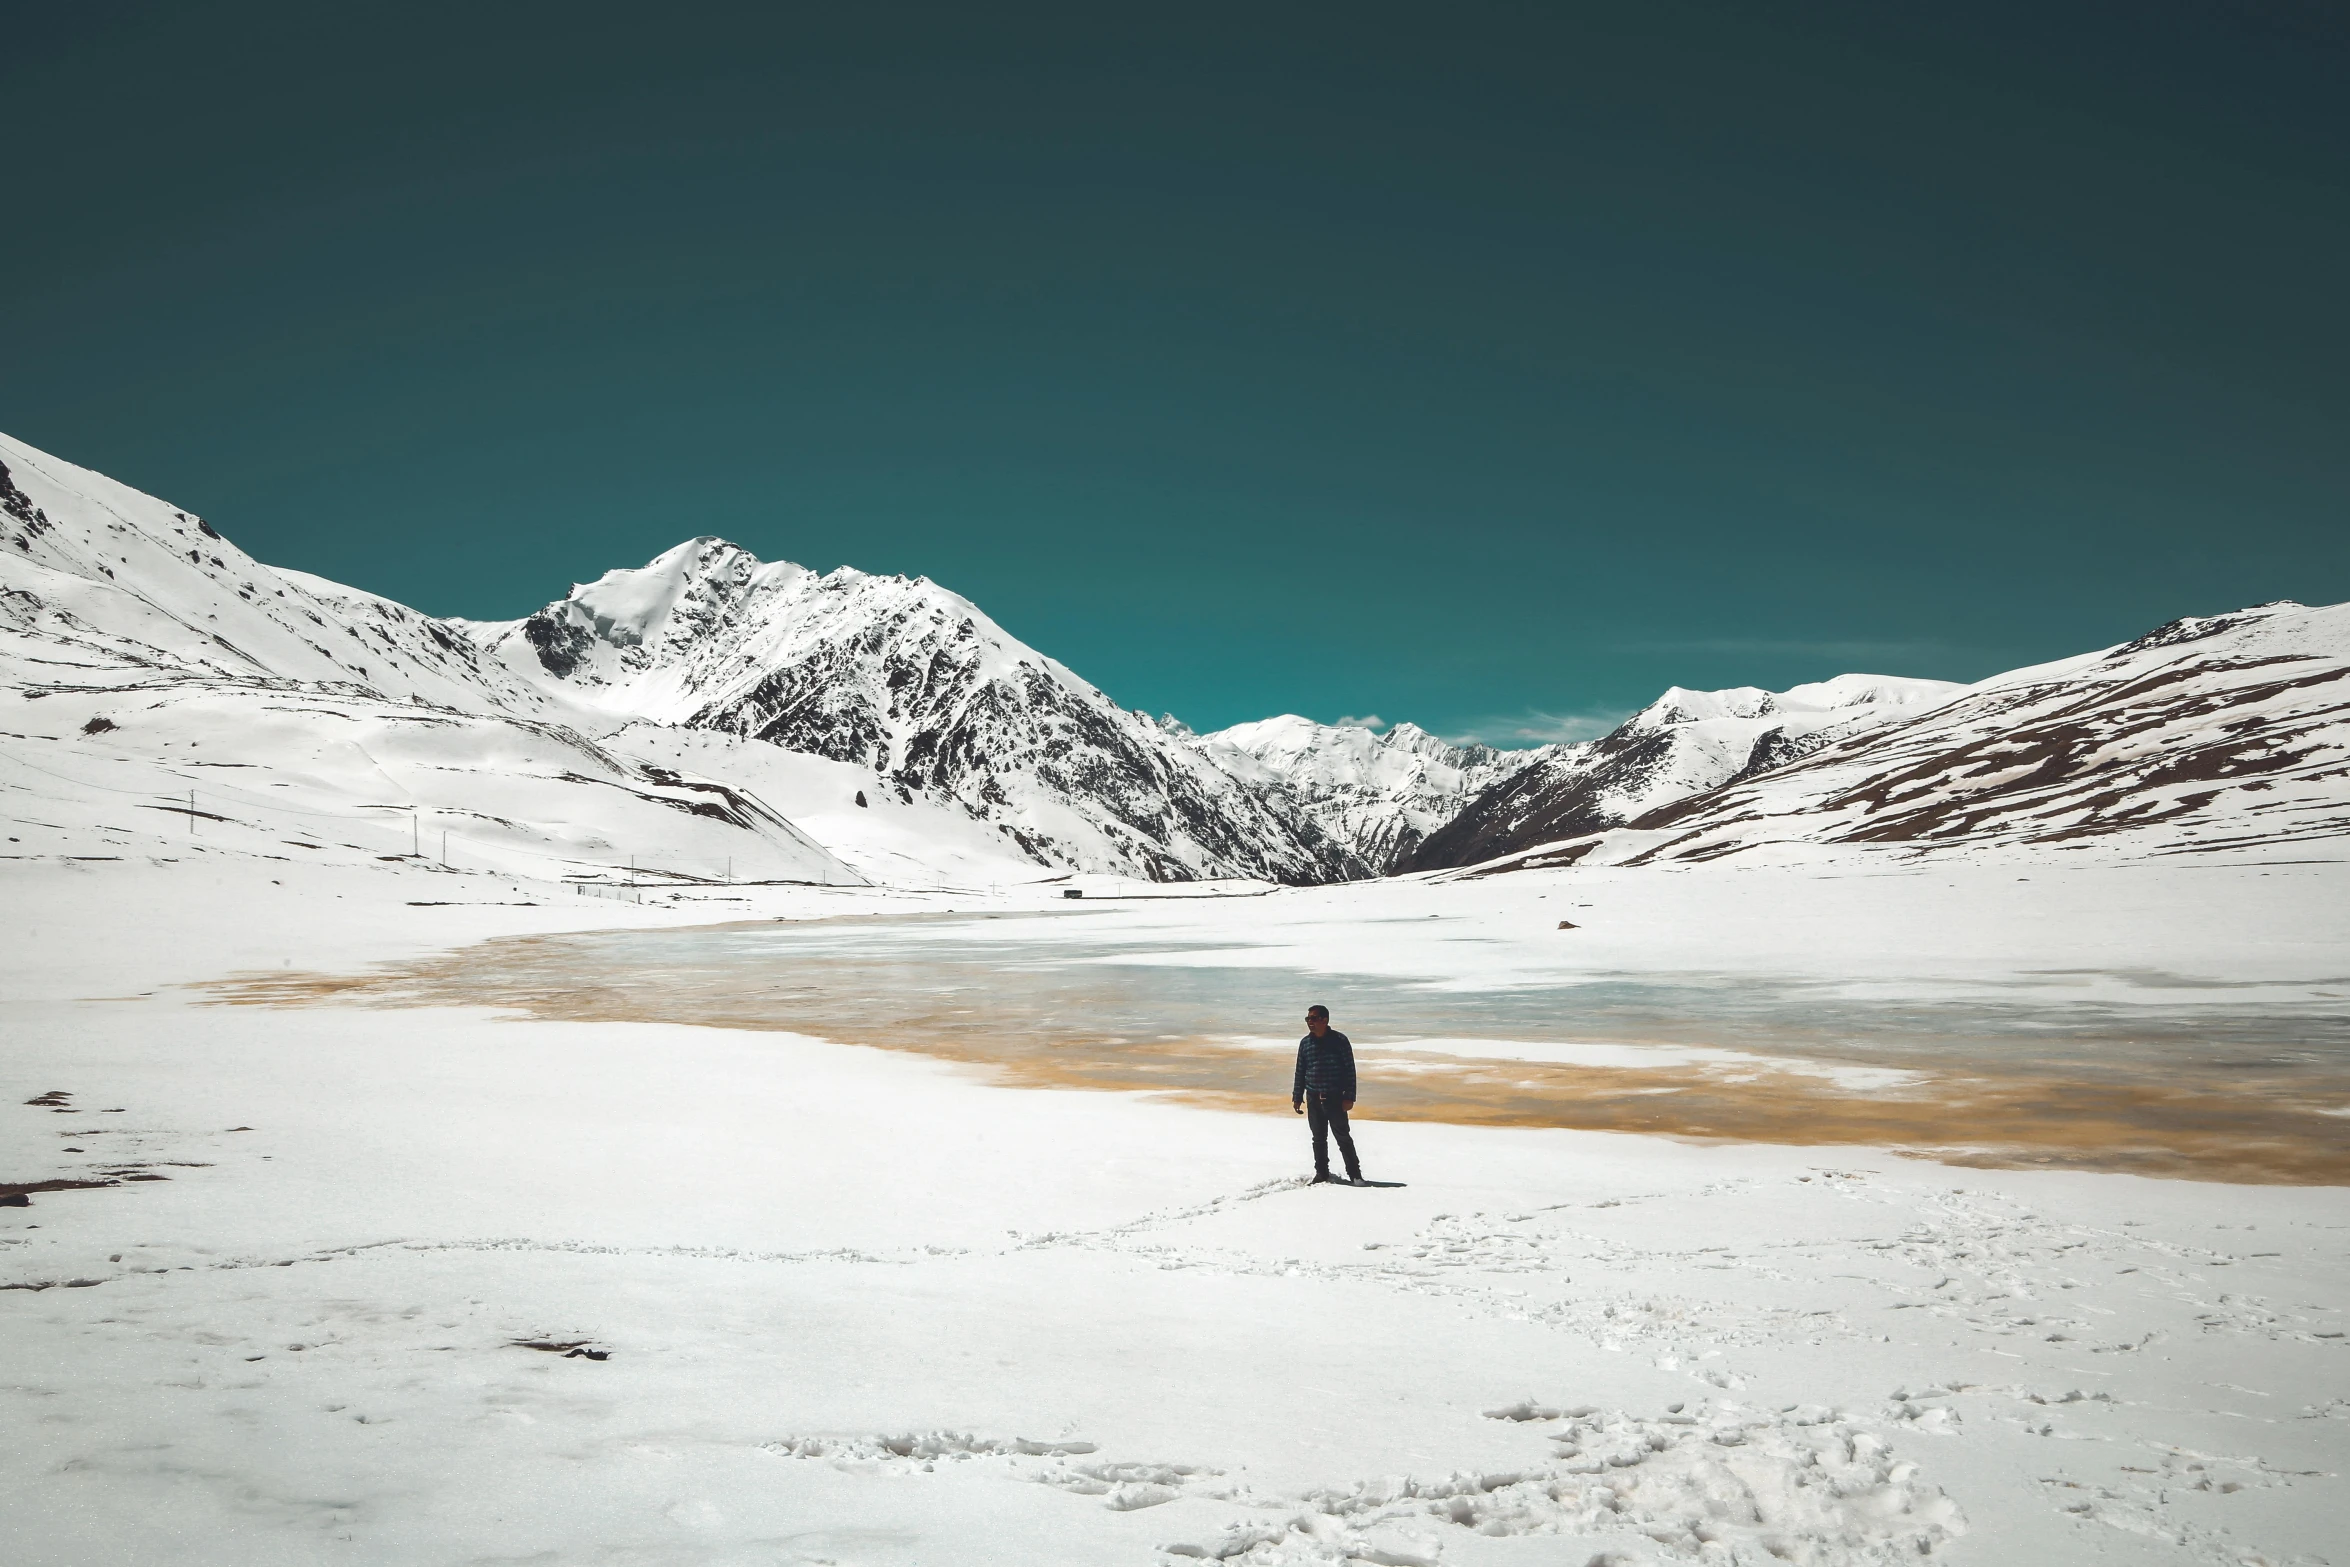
{"x":915,"y":684}
{"x":630,"y":607}
{"x":1380,"y":792}
{"x":1681,"y":705}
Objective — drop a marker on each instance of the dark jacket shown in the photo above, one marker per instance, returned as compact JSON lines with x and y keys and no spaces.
{"x":1324,"y":1066}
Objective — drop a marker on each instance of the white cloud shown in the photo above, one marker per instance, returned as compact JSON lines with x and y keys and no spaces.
{"x":1535,"y":727}
{"x":1374,"y":723}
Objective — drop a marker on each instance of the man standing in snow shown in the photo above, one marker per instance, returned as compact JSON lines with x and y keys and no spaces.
{"x":1324,"y":1090}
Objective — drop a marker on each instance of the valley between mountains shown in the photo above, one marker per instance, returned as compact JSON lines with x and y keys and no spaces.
{"x":709,"y":715}
{"x":630,"y":1085}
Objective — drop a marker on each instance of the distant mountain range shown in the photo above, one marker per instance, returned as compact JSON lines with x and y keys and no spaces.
{"x":2220,"y":734}
{"x":1380,"y":794}
{"x":840,"y":725}
{"x":1682,"y":744}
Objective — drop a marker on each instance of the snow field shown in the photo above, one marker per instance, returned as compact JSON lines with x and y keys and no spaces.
{"x":287,"y":777}
{"x":857,"y":1306}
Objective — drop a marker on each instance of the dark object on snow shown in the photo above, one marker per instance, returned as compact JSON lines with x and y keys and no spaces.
{"x":569,"y":1349}
{"x":1072,"y":892}
{"x":16,"y":1194}
{"x":98,"y":725}
{"x":861,"y":805}
{"x":1324,"y":1088}
{"x":1569,"y":925}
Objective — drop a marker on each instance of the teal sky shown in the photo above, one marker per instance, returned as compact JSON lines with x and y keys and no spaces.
{"x":1493,"y":367}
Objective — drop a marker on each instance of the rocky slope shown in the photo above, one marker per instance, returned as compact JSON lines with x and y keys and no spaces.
{"x":2213,"y":735}
{"x":155,"y":677}
{"x":1379,"y":794}
{"x":899,"y":676}
{"x":1681,"y":745}
{"x":95,"y":572}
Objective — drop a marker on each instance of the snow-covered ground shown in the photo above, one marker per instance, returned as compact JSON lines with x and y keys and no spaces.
{"x":630,"y":1267}
{"x":834,"y":1304}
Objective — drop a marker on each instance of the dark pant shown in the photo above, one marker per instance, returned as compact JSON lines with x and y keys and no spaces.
{"x":1326,"y":1113}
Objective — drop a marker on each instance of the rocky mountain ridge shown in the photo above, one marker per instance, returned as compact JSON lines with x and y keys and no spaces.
{"x":2208,"y":735}
{"x":1381,"y":793}
{"x":1683,"y":744}
{"x":915,"y":683}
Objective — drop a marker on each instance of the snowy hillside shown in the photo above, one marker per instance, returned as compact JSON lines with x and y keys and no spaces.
{"x":1681,"y":745}
{"x":891,"y":841}
{"x":99,"y":576}
{"x":325,"y":778}
{"x":1379,"y":794}
{"x":915,"y":685}
{"x":162,"y":693}
{"x":2204,"y":736}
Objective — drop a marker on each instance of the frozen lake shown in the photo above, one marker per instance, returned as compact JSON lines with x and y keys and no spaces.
{"x":2112,"y":1069}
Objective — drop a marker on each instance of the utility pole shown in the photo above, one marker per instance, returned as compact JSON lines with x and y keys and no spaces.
{"x":444,"y":848}
{"x":191,"y":811}
{"x":415,"y":836}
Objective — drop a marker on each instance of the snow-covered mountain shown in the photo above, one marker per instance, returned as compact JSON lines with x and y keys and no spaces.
{"x":154,"y":678}
{"x":692,"y":716}
{"x":916,"y":684}
{"x":2208,"y":735}
{"x":1681,"y":745}
{"x":904,"y":695}
{"x":97,"y":573}
{"x":902,"y":700}
{"x":1378,"y":793}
